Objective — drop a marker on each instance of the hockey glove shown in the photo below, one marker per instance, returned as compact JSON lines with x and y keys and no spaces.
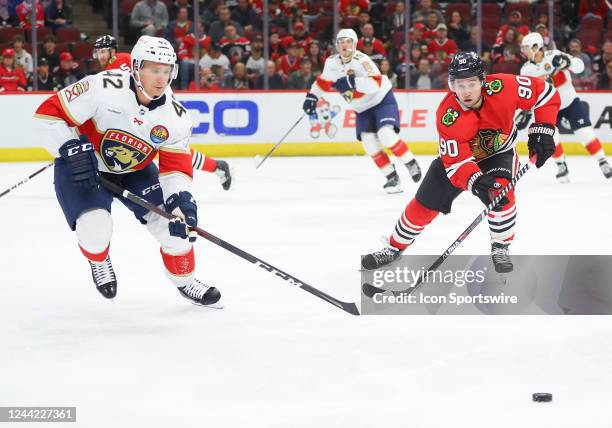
{"x":522,"y":120}
{"x":486,"y":188}
{"x":541,"y":142}
{"x":81,"y":159}
{"x":345,"y":84}
{"x":561,"y":61}
{"x":185,"y":208}
{"x":310,"y":105}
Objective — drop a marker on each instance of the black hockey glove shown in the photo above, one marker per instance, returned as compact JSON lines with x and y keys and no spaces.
{"x":522,"y":120}
{"x":345,"y":84}
{"x":183,"y":206}
{"x":310,"y":104}
{"x":541,"y":142}
{"x":486,"y":188}
{"x":561,"y":61}
{"x":81,"y":159}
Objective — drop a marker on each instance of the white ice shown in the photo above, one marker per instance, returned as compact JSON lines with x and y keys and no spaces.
{"x":276,"y":356}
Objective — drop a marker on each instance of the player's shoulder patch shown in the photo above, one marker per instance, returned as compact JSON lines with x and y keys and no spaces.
{"x":359,"y":56}
{"x":77,"y":89}
{"x":494,"y":86}
{"x":449,"y":117}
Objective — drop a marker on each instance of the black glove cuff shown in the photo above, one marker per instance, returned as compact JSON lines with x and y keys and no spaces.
{"x":542,"y":128}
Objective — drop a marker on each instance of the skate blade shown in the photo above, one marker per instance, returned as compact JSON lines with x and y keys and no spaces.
{"x":392,"y":190}
{"x":563,"y":180}
{"x":216,"y":305}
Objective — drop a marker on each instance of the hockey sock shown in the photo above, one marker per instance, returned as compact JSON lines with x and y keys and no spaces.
{"x":591,"y":143}
{"x":401,"y":151}
{"x":410,"y":224}
{"x":383,"y":163}
{"x":179,"y":269}
{"x":94,"y":230}
{"x":503,"y":219}
{"x":389,"y":138}
{"x":559,"y":155}
{"x":203,"y":162}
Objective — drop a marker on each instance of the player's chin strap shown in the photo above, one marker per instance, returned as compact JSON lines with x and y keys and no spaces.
{"x":141,"y":88}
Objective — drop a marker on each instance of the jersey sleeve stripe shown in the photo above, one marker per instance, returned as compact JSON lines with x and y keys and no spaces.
{"x":546,"y":95}
{"x":452,"y":169}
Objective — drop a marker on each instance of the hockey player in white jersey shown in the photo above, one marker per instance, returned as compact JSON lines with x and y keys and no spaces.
{"x":555,"y":66}
{"x":355,"y":76}
{"x":123,"y":118}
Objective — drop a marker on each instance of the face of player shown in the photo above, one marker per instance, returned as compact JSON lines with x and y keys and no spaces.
{"x":528,"y":52}
{"x":468,"y":91}
{"x":345,"y":47}
{"x":103,"y":56}
{"x":155,"y":77}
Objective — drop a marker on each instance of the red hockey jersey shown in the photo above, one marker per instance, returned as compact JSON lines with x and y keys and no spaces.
{"x":467,"y":135}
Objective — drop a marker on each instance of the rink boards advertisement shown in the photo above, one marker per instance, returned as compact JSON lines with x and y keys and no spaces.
{"x":250,"y":123}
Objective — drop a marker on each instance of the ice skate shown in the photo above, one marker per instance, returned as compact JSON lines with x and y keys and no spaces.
{"x":104,"y":277}
{"x":562,"y":172}
{"x":414,"y":170}
{"x":606,"y":169}
{"x":393,"y":183}
{"x":380,"y":258}
{"x":501,"y":258}
{"x":201,"y":294}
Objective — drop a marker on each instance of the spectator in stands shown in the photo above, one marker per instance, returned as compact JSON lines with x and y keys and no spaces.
{"x":396,"y":22}
{"x":543,"y":30}
{"x":368,"y":33}
{"x":23,"y":58}
{"x":385,"y":69}
{"x":605,"y":79}
{"x":593,"y":7}
{"x":11,"y":77}
{"x":68,"y":72}
{"x":234,"y":46}
{"x":238,"y":80}
{"x":515,"y":22}
{"x":24,"y":13}
{"x":378,"y":18}
{"x":431,"y":23}
{"x":575,"y":49}
{"x":149,"y":16}
{"x":457,"y":30}
{"x":441,"y":43}
{"x":46,"y":81}
{"x":303,"y":78}
{"x":176,"y":8}
{"x":58,"y":14}
{"x":423,"y":10}
{"x":49,"y":53}
{"x":290,"y":61}
{"x":367,"y":46}
{"x":317,"y":60}
{"x":293,"y":9}
{"x":472,"y":43}
{"x":255,"y":62}
{"x":7,"y":13}
{"x":423,"y":78}
{"x":353,"y":7}
{"x":301,"y":37}
{"x":277,"y":49}
{"x":246,"y":16}
{"x":217,"y":28}
{"x":208,"y":80}
{"x":215,"y":57}
{"x":186,"y":55}
{"x":179,"y":28}
{"x":417,"y":33}
{"x":543,"y":19}
{"x":600,"y":60}
{"x":219,"y":72}
{"x":509,"y":51}
{"x":275,"y":81}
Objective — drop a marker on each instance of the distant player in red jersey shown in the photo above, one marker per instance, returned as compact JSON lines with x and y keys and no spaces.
{"x":475,"y":123}
{"x":105,"y":51}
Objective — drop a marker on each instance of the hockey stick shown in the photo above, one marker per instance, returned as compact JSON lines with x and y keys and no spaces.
{"x":351,"y":308}
{"x":258,"y":162}
{"x":25,"y":180}
{"x":369,"y":290}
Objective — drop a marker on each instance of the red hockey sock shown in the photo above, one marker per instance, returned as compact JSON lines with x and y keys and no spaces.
{"x":558,"y":151}
{"x":593,"y":147}
{"x":411,"y":223}
{"x":399,"y":149}
{"x":99,"y":257}
{"x":179,"y":265}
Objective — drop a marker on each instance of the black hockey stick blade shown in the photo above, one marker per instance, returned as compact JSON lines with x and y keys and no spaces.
{"x":351,"y":308}
{"x":260,"y":160}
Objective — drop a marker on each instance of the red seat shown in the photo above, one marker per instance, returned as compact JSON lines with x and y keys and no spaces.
{"x":488,"y":36}
{"x":398,"y":39}
{"x":82,"y":50}
{"x":524,"y":8}
{"x":589,"y":37}
{"x":543,"y":8}
{"x":62,"y":47}
{"x":41,"y":33}
{"x":321,"y":23}
{"x":65,"y":35}
{"x":350,"y":22}
{"x":126,"y":7}
{"x":592,"y":22}
{"x":491,"y":10}
{"x":491,"y":23}
{"x":465,"y":9}
{"x":506,"y":67}
{"x":7,"y":34}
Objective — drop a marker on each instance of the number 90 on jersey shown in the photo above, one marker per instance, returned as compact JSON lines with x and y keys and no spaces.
{"x":448,"y":148}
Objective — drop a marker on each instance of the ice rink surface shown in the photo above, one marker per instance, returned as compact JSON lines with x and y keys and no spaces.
{"x":276,"y":356}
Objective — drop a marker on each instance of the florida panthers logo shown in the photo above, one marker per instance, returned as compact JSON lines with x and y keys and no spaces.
{"x":486,"y":142}
{"x":122,"y":151}
{"x":322,"y":120}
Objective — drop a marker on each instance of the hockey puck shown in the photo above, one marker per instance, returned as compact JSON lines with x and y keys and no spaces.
{"x":541,"y":397}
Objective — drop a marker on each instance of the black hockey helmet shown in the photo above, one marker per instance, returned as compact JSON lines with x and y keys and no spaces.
{"x":105,"y":42}
{"x":466,"y":64}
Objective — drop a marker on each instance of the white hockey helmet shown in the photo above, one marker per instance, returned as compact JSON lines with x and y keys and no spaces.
{"x":347,"y":33}
{"x":531,"y":44}
{"x":155,"y":49}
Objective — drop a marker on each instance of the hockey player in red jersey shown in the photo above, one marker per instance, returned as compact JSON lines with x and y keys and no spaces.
{"x":105,"y":51}
{"x":123,"y":119}
{"x":477,"y":137}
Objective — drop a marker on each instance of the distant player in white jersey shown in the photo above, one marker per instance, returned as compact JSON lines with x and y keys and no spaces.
{"x":123,"y":119}
{"x":555,"y":66}
{"x":355,"y":76}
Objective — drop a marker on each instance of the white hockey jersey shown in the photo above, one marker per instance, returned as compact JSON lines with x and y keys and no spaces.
{"x":126,"y":135}
{"x":562,"y":80}
{"x":371,"y":86}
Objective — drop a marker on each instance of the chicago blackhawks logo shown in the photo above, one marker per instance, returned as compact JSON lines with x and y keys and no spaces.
{"x":486,"y":142}
{"x":159,"y":134}
{"x":449,"y":117}
{"x":122,"y":151}
{"x":494,"y":87}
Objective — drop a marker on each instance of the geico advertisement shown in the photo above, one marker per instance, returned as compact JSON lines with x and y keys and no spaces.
{"x":228,"y":117}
